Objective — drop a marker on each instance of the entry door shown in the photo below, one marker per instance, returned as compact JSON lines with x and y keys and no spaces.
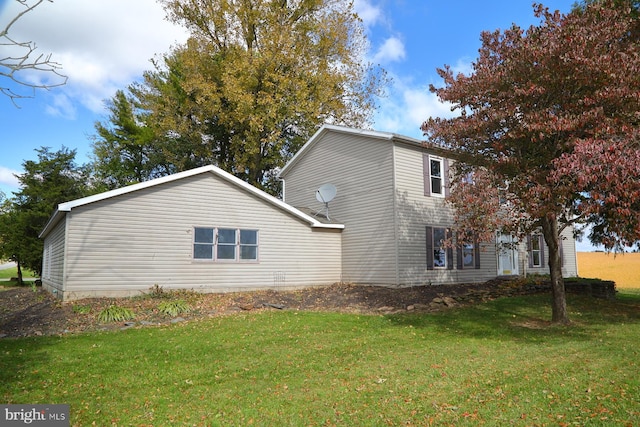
{"x":507,"y":256}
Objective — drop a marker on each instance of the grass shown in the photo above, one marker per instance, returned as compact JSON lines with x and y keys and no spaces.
{"x":624,"y":269}
{"x":497,"y":363}
{"x":8,"y":273}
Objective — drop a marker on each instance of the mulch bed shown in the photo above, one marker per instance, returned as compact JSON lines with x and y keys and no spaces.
{"x":28,"y":312}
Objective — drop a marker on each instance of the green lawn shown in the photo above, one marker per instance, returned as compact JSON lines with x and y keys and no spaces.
{"x":8,"y":273}
{"x":494,"y":364}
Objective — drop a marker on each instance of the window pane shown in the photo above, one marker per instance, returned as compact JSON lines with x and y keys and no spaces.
{"x":535,"y":242}
{"x":226,"y":252}
{"x":249,"y":252}
{"x":226,"y":235}
{"x":467,"y":256}
{"x":439,"y":235}
{"x":436,"y":185}
{"x":439,"y":258}
{"x":536,"y":258}
{"x":203,"y":235}
{"x":435,"y":168}
{"x":202,"y":251}
{"x":248,"y":237}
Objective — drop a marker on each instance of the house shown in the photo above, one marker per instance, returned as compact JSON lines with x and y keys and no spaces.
{"x":207,"y":230}
{"x":202,"y":229}
{"x":390,"y":195}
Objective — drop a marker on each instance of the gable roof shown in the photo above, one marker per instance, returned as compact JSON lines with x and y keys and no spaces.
{"x":391,"y":137}
{"x":63,"y":208}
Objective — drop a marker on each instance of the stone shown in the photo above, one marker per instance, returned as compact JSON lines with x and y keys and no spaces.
{"x":449,"y":302}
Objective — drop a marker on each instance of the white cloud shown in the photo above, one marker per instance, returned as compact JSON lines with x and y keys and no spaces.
{"x":391,"y":50}
{"x":102,"y":44}
{"x":62,"y":106}
{"x":464,"y":66}
{"x":406,"y":107}
{"x":369,"y":13}
{"x":8,"y":178}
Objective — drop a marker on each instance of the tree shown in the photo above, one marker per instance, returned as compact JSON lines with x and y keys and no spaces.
{"x":53,"y":179}
{"x":548,"y":125}
{"x":125,"y":149}
{"x":255,"y":80}
{"x":21,"y":57}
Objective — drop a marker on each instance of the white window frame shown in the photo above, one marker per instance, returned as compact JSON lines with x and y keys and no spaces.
{"x":439,"y":160}
{"x":237,"y":245}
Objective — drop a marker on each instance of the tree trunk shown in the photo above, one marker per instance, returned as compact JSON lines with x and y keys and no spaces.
{"x":20,"y":282}
{"x":552,"y":238}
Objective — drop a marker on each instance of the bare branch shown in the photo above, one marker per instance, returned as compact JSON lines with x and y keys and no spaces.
{"x":25,"y":60}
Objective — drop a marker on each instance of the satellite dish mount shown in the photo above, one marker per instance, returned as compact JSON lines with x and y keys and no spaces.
{"x":325,"y":194}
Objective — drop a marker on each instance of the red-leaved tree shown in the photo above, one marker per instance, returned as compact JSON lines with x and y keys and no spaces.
{"x":548,"y":128}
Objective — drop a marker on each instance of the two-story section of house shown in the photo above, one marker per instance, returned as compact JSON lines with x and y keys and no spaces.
{"x":390,"y":195}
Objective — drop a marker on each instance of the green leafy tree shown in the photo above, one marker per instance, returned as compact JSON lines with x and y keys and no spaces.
{"x":125,"y":149}
{"x":255,"y":80}
{"x":549,"y":126}
{"x":53,"y":179}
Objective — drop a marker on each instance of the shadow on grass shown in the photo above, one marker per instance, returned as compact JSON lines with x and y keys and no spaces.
{"x":18,"y":357}
{"x":528,"y":318}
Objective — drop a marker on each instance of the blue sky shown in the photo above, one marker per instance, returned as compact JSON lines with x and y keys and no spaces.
{"x":104,"y":45}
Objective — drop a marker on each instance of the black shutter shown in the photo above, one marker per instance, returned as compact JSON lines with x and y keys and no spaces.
{"x":429,"y":248}
{"x":449,"y":251}
{"x":476,"y":255}
{"x":426,"y":175}
{"x":445,"y":176}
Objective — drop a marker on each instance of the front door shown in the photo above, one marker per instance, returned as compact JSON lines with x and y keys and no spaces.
{"x":507,"y":256}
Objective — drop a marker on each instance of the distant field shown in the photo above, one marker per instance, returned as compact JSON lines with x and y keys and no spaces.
{"x":624,"y":269}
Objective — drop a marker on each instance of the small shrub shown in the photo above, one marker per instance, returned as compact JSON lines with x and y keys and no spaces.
{"x":174,"y":308}
{"x":81,"y":309}
{"x":113,"y":313}
{"x":157,"y":291}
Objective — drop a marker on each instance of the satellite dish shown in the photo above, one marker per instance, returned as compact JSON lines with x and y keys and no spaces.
{"x":325,"y":194}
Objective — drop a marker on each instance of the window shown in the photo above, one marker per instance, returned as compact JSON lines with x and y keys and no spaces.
{"x":435,"y":171}
{"x":468,"y":256}
{"x":435,"y":175}
{"x":438,"y":256}
{"x":536,"y":250}
{"x":225,"y":244}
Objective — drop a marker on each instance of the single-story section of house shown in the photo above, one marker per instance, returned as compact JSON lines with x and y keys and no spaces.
{"x":201,"y":229}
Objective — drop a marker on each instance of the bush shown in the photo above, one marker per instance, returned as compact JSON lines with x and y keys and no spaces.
{"x":157,"y":291}
{"x":113,"y":313}
{"x":174,"y":308}
{"x":81,"y":309}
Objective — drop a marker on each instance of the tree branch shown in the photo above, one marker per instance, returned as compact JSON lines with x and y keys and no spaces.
{"x":11,"y":65}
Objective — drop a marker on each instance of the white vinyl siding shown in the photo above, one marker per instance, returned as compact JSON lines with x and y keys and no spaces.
{"x":567,"y":253}
{"x":53,"y":258}
{"x":361,"y":169}
{"x":129,"y":243}
{"x":413,"y":212}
